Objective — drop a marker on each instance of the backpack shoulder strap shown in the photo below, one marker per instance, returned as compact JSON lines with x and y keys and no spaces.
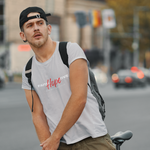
{"x":93,"y":86}
{"x":63,"y":52}
{"x":28,"y":70}
{"x":28,"y":74}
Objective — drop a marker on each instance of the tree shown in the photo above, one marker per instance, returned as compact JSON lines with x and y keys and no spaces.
{"x":122,"y":35}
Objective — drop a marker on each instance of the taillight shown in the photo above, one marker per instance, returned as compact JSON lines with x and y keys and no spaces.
{"x":128,"y":80}
{"x":134,"y":69}
{"x":140,"y":74}
{"x":115,"y":78}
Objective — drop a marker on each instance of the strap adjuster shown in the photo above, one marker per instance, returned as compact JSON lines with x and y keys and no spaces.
{"x":38,"y":16}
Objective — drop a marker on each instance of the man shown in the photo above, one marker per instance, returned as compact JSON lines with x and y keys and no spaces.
{"x":65,"y":113}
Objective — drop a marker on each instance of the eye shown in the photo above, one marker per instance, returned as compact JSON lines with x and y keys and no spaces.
{"x":41,"y":23}
{"x":29,"y":25}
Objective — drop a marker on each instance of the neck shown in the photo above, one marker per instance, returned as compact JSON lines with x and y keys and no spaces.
{"x":46,"y":51}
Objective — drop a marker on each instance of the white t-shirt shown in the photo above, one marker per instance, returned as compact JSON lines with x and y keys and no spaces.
{"x":51,"y":82}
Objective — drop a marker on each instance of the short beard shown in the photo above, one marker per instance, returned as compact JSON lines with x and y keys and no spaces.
{"x":38,"y":44}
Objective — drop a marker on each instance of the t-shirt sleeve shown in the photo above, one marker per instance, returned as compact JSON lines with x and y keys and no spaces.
{"x":25,"y":84}
{"x":75,"y":52}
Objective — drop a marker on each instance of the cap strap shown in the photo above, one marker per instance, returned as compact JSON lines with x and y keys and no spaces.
{"x":37,"y":16}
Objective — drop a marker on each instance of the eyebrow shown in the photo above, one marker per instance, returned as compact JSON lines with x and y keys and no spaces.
{"x":33,"y":22}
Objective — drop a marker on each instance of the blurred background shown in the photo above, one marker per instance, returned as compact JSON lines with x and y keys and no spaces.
{"x":115,"y":36}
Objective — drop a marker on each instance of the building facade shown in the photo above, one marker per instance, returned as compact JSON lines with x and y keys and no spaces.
{"x":63,"y":21}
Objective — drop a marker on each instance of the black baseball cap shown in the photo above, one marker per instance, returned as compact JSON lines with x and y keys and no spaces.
{"x":23,"y":15}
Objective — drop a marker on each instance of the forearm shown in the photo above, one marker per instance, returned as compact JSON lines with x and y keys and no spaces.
{"x":70,"y":115}
{"x":41,"y":127}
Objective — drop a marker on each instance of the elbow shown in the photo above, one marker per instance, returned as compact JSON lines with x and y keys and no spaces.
{"x":84,"y":97}
{"x":36,"y":118}
{"x":82,"y":101}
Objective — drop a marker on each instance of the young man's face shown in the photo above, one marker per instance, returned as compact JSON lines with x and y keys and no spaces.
{"x":35,"y":31}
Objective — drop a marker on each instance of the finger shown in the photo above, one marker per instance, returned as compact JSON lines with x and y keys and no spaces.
{"x":42,"y":143}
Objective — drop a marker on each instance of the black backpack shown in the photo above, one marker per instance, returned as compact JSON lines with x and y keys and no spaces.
{"x":64,"y":56}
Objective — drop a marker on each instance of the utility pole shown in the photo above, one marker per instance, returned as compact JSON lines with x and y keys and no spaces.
{"x":135,"y":44}
{"x":107,"y":47}
{"x":108,"y":17}
{"x":136,"y":38}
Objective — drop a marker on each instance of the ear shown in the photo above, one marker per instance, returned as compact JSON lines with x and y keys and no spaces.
{"x":49,"y":29}
{"x":22,"y":35}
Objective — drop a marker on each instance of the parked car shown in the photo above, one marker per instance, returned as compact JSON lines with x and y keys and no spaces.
{"x":100,"y":76}
{"x":124,"y":77}
{"x":2,"y":78}
{"x":146,"y":73}
{"x":141,"y":77}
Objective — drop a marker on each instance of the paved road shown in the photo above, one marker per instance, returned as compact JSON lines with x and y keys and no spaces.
{"x":127,"y":109}
{"x":16,"y":128}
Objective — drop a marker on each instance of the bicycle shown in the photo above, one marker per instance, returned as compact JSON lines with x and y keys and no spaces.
{"x":120,"y":137}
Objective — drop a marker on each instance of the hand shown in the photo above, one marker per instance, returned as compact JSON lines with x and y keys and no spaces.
{"x":50,"y":144}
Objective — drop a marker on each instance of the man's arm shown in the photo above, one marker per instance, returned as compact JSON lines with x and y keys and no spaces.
{"x":78,"y":82}
{"x":38,"y":116}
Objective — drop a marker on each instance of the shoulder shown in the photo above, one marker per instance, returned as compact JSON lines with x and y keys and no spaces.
{"x":72,"y":45}
{"x":74,"y":52}
{"x":74,"y":48}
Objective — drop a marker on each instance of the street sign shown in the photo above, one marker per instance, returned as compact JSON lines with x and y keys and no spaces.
{"x":81,"y":18}
{"x":108,"y":17}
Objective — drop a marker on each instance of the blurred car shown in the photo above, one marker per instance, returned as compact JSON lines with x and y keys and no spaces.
{"x":100,"y":76}
{"x":141,"y":77}
{"x":2,"y":78}
{"x":146,"y":73}
{"x":124,"y":77}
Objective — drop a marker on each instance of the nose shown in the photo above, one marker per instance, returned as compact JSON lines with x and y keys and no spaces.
{"x":36,"y":28}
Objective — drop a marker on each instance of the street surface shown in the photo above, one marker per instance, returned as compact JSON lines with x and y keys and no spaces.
{"x":126,"y":109}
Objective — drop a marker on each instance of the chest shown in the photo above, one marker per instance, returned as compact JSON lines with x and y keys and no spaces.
{"x":50,"y":75}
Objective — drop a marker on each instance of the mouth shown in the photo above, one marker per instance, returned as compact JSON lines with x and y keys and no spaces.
{"x":37,"y":35}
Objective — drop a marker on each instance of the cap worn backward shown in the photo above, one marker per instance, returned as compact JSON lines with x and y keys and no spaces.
{"x":23,"y":16}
